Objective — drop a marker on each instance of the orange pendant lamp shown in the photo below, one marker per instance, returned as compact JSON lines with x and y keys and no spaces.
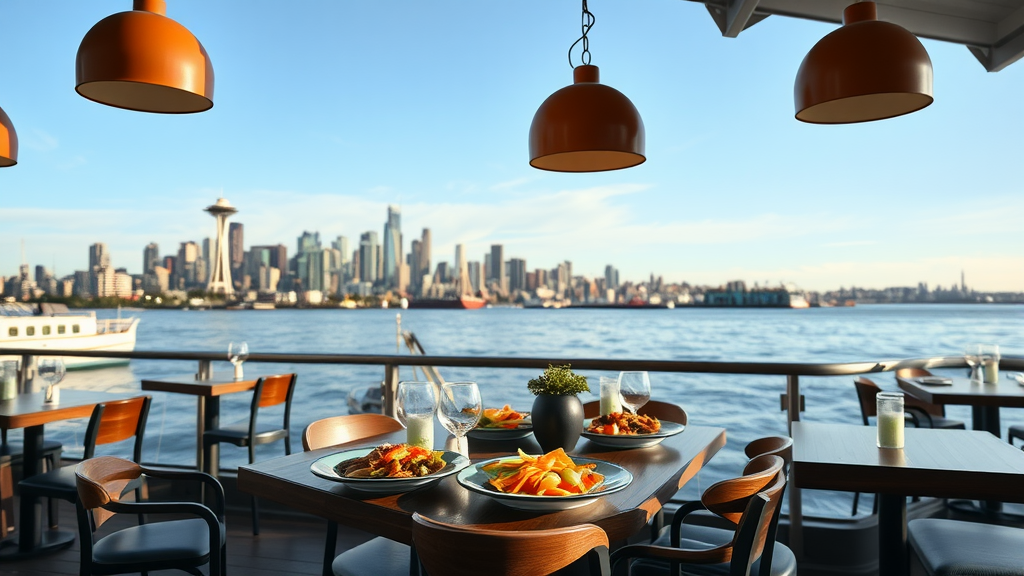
{"x":8,"y":141}
{"x":587,"y":126}
{"x":142,"y":60}
{"x":867,"y":70}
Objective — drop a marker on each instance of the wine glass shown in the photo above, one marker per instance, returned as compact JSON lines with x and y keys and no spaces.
{"x":459,"y":410}
{"x":635,"y":389}
{"x":417,"y":402}
{"x":972,"y":356}
{"x":52,"y":370}
{"x":238,"y":352}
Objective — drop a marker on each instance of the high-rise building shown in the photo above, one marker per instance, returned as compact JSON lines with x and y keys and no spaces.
{"x":151,"y":257}
{"x":415,"y":252}
{"x":517,"y":274}
{"x":425,"y":253}
{"x":476,"y":275}
{"x":368,"y":249}
{"x":497,"y":271}
{"x":188,"y":255}
{"x":306,"y":266}
{"x":220,"y":270}
{"x":98,"y":255}
{"x":611,"y":277}
{"x":236,"y":248}
{"x":392,"y":253}
{"x":460,"y":259}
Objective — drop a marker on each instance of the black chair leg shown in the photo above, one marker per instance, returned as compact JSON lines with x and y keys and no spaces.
{"x":330,"y":547}
{"x":255,"y":517}
{"x":856,"y":500}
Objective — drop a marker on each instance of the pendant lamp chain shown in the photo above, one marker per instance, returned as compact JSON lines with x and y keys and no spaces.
{"x":587,"y":22}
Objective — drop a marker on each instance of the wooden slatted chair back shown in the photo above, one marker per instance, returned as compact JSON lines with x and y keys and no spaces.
{"x":102,"y":480}
{"x":456,"y":551}
{"x":341,"y":429}
{"x":274,"y":390}
{"x":781,"y":446}
{"x":756,"y":525}
{"x":661,"y":410}
{"x":116,"y":421}
{"x":866,"y":392}
{"x":729,"y":498}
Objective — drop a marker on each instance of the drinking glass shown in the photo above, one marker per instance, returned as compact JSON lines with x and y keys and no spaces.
{"x":972,"y":356}
{"x":459,"y":410}
{"x":52,"y":370}
{"x":417,"y":402}
{"x":988,"y":361}
{"x":238,"y":352}
{"x":635,"y":389}
{"x":891,"y":419}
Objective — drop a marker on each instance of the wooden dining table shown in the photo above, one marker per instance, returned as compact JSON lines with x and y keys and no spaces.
{"x":985,"y":400}
{"x":30,"y":412}
{"x":207,"y":393}
{"x":658,"y":473}
{"x":933,"y":463}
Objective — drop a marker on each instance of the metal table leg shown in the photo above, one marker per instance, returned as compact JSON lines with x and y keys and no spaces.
{"x":892,"y":535}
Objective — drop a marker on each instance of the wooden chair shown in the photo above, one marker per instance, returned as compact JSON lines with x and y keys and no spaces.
{"x":752,"y":502}
{"x":446,"y":550}
{"x":110,"y":422}
{"x":943,"y":547}
{"x":920,"y":414}
{"x":172,"y":545}
{"x":660,"y":410}
{"x":379,"y":556}
{"x":269,"y":391}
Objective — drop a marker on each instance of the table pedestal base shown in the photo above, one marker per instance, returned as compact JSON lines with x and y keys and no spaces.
{"x":892,"y":535}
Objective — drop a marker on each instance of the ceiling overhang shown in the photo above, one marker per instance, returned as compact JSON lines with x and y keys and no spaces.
{"x":992,"y":30}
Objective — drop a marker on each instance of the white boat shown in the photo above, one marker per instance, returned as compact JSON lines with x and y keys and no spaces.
{"x":53,"y":326}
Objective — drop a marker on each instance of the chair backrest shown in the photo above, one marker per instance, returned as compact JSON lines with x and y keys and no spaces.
{"x":756,"y":528}
{"x":660,"y":410}
{"x":729,"y":498}
{"x":117,"y":421}
{"x":456,"y":551}
{"x":102,"y":480}
{"x":908,"y":373}
{"x":340,"y":429}
{"x":866,"y":392}
{"x":273,"y":391}
{"x":781,"y":446}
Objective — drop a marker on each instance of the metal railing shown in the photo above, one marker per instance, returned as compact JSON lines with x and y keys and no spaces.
{"x":791,"y":400}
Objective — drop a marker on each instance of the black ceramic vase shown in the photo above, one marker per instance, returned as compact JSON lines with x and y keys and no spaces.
{"x":557,"y":421}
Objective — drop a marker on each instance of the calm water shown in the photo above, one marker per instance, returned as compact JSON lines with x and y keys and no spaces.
{"x":748,"y":406}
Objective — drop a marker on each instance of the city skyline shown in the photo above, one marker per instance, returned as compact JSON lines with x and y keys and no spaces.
{"x":733,"y":186}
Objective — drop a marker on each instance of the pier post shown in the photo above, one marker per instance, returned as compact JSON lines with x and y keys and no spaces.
{"x":796,"y":513}
{"x":391,"y":390}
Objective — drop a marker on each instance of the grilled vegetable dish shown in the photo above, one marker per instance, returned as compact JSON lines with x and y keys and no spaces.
{"x":502,"y":418}
{"x":392,"y":461}
{"x":553,"y":474}
{"x":624,"y":424}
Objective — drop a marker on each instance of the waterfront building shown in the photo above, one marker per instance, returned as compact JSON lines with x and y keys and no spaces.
{"x":516,"y":274}
{"x":392,"y":250}
{"x":368,"y":251}
{"x":307,"y":267}
{"x":105,"y":278}
{"x":236,"y":248}
{"x":83,"y":283}
{"x":150,"y":257}
{"x":460,"y":259}
{"x":220,"y":272}
{"x":497,"y":270}
{"x":188,"y":255}
{"x":475,"y":272}
{"x":611,"y":277}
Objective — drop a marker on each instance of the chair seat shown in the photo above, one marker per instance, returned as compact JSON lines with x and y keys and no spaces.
{"x":239,"y":435}
{"x":943,"y":423}
{"x":953,"y":548}
{"x":184,"y":541}
{"x":15,"y":451}
{"x":1016,"y":431}
{"x":59,"y":483}
{"x":377,"y":557}
{"x":783,"y":560}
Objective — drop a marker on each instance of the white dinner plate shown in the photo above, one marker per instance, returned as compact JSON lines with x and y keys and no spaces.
{"x":935,"y":380}
{"x":633,"y":440}
{"x":324,"y":468}
{"x":615,"y":478}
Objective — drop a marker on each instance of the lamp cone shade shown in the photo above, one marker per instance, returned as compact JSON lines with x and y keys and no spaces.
{"x":867,"y":70}
{"x":8,"y":141}
{"x":586,"y":127}
{"x":142,"y":60}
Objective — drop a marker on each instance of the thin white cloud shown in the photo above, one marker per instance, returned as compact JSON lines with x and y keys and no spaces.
{"x":40,"y":141}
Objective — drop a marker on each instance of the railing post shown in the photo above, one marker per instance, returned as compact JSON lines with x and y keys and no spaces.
{"x":796,"y":512}
{"x":391,"y":390}
{"x":26,"y":374}
{"x":205,"y":370}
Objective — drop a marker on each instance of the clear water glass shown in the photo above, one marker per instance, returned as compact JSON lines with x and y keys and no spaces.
{"x":891,"y":419}
{"x":972,"y":356}
{"x":238,"y":352}
{"x":634,"y":389}
{"x":988,"y":362}
{"x":416,"y":405}
{"x":52,"y":371}
{"x":610,"y":403}
{"x":459,"y":410}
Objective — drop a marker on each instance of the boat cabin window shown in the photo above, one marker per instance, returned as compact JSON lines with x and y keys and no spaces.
{"x":75,"y":329}
{"x":46,"y":330}
{"x":61,"y":329}
{"x":12,"y":331}
{"x":30,"y":331}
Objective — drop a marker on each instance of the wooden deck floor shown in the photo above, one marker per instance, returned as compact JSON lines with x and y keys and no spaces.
{"x":286,"y":546}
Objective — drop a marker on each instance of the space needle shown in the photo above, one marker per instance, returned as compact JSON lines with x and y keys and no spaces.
{"x":220,"y":276}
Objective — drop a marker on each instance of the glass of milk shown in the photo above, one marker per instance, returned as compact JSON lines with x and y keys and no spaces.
{"x":891,"y":419}
{"x":417,"y":404}
{"x":988,"y":357}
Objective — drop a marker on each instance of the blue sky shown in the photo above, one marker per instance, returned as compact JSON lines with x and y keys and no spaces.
{"x":325,"y":112}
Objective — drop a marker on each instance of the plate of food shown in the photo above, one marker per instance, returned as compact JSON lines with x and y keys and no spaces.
{"x":502,"y":424}
{"x":388,"y":468}
{"x":553,"y":481}
{"x":625,"y":430}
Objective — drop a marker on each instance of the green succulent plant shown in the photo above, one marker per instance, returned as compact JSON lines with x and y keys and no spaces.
{"x":558,"y":381}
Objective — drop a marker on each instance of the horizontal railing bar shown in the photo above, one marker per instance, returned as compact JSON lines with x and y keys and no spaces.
{"x":710,"y":367}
